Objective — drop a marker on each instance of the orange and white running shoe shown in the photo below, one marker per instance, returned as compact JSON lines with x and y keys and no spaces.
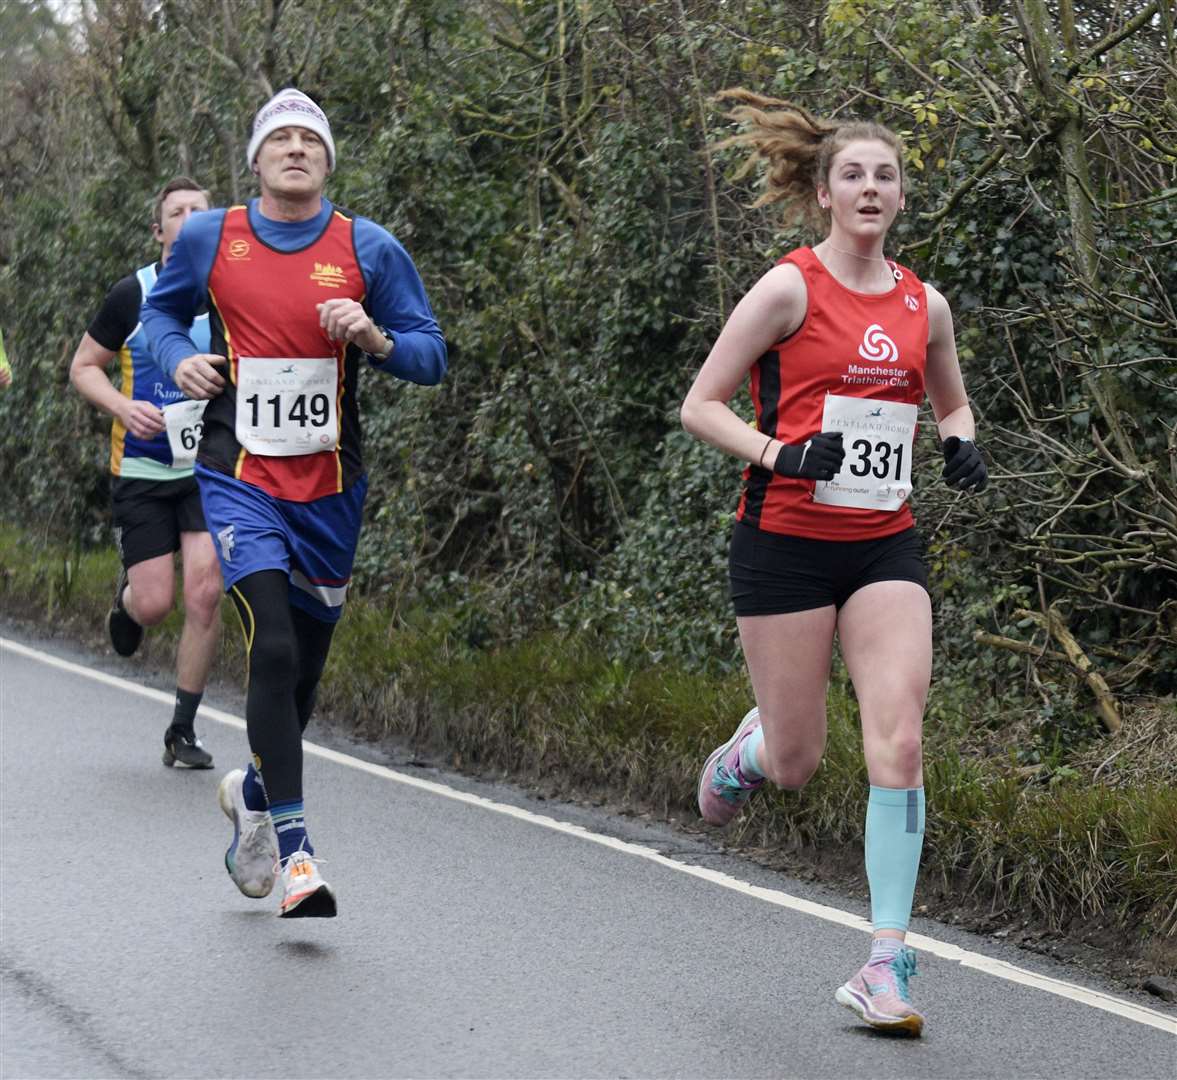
{"x":305,"y":895}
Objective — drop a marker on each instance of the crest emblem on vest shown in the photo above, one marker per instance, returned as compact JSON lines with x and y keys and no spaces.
{"x":328,"y":274}
{"x":877,"y":346}
{"x":238,"y":249}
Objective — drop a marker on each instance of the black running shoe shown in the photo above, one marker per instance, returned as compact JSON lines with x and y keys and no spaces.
{"x":182,"y":749}
{"x":125,"y":633}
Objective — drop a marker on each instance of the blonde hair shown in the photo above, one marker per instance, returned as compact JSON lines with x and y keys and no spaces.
{"x":798,"y":148}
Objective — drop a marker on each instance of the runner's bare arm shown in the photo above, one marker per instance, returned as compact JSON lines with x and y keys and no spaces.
{"x":942,"y":377}
{"x":87,"y":372}
{"x":771,"y":310}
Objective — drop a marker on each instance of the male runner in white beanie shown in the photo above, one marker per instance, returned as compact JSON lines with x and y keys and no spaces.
{"x":299,"y":292}
{"x":290,"y":108}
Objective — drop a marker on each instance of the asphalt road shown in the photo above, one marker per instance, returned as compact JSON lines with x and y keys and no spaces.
{"x":474,"y":939}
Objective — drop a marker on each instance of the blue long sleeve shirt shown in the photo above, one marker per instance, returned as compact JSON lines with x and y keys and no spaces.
{"x":394,"y":295}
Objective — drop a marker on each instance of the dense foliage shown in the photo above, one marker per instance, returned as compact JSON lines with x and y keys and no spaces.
{"x":547,"y":166}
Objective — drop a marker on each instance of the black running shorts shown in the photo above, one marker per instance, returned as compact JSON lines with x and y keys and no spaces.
{"x":149,"y":516}
{"x":772,"y":574}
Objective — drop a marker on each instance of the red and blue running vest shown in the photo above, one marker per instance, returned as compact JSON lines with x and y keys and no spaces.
{"x":262,"y":303}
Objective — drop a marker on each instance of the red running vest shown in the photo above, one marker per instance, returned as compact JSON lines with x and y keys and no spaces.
{"x":852,"y":344}
{"x":262,"y":303}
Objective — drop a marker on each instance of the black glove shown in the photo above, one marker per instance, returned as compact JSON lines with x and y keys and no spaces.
{"x":964,"y":468}
{"x":818,"y":458}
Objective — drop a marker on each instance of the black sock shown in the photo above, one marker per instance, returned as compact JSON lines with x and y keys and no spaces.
{"x":184,"y":718}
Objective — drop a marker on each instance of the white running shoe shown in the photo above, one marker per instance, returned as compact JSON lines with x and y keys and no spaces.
{"x":252,"y":858}
{"x":304,"y":892}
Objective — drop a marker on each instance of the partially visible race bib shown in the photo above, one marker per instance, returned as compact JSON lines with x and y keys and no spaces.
{"x":185,"y":423}
{"x":287,"y":407}
{"x":877,"y":437}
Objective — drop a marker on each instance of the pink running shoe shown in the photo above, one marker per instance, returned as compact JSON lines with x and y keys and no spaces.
{"x":723,"y":789}
{"x":879,"y":994}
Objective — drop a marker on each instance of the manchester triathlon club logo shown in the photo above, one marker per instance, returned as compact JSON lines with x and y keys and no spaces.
{"x":328,"y":274}
{"x":877,"y":346}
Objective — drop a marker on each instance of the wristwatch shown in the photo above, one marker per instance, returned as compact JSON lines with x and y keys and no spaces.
{"x":379,"y":358}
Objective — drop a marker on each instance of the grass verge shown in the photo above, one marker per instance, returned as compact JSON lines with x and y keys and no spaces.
{"x":1083,"y":848}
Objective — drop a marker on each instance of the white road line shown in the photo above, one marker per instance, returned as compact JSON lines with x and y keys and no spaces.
{"x":999,"y":968}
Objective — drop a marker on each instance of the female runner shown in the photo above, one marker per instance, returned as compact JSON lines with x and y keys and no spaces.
{"x":842,"y":345}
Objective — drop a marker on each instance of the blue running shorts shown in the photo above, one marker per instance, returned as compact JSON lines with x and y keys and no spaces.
{"x":314,"y":543}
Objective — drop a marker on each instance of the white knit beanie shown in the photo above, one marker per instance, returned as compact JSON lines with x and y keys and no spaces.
{"x":290,"y":108}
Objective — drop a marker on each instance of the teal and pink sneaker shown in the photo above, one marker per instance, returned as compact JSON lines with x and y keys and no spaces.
{"x":723,"y":788}
{"x":879,"y":994}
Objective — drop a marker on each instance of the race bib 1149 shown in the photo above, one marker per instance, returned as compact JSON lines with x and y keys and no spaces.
{"x":287,"y":406}
{"x":877,"y":437}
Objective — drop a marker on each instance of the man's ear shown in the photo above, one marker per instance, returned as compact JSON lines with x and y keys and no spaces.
{"x":157,"y":232}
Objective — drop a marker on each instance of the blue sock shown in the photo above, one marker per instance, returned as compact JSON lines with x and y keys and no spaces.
{"x":291,"y":827}
{"x":748,"y":749}
{"x":894,"y":840}
{"x":253,"y":790}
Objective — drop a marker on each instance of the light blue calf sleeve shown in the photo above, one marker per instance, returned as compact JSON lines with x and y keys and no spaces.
{"x":894,"y":839}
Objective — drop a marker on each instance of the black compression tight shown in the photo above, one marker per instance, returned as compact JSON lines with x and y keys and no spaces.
{"x":287,"y":649}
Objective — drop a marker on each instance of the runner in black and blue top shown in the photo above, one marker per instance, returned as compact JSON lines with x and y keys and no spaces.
{"x":157,"y":508}
{"x":300,"y":294}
